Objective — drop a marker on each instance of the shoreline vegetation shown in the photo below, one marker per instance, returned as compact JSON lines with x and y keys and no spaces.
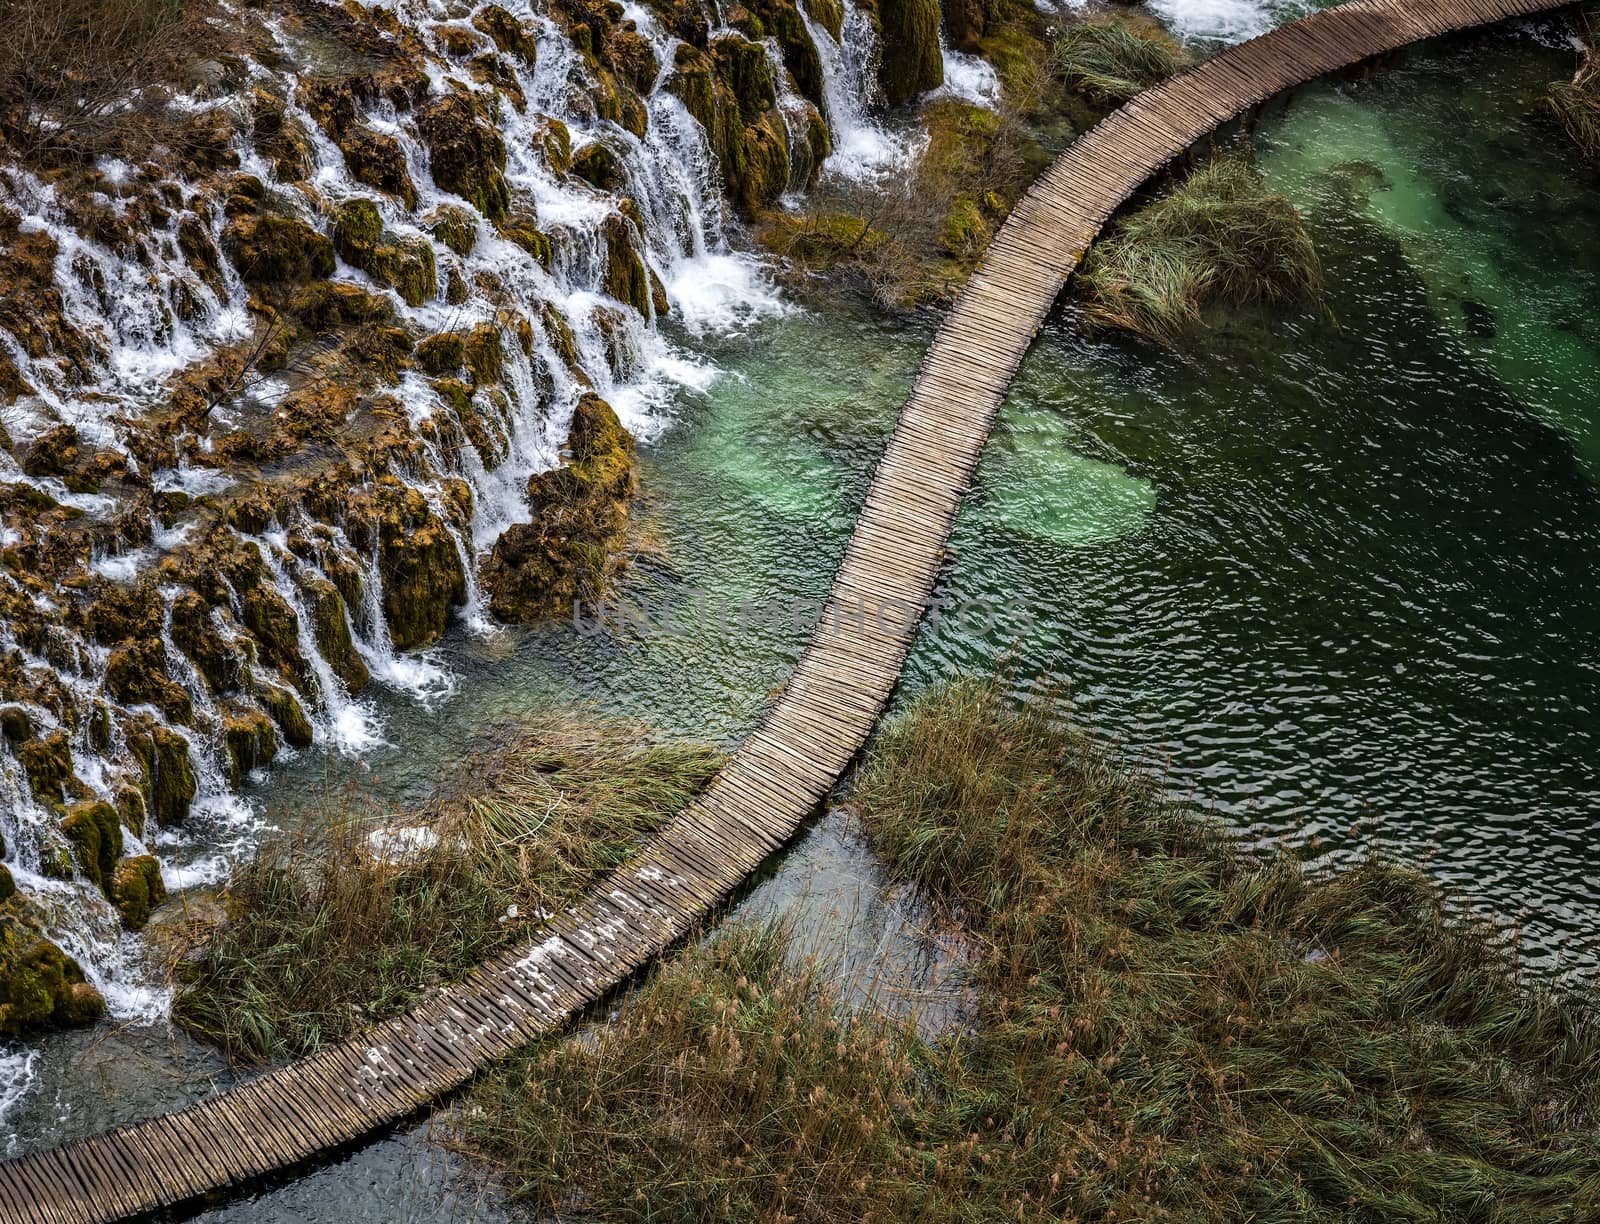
{"x":1167,"y":1025}
{"x":332,"y":928}
{"x":1575,"y":104}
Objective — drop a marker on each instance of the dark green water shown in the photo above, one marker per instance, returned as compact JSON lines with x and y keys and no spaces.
{"x":1334,"y":569}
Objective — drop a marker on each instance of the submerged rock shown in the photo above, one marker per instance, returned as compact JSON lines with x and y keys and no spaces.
{"x":580,"y":518}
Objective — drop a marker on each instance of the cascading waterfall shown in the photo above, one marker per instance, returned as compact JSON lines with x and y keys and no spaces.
{"x":864,"y":148}
{"x":146,"y":315}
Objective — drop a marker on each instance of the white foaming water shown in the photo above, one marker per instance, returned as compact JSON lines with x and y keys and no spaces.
{"x":16,"y":1077}
{"x":1228,"y":21}
{"x":969,"y":78}
{"x":864,"y":150}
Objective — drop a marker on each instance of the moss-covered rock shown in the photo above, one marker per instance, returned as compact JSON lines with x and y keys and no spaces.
{"x":94,"y":831}
{"x":484,"y":354}
{"x":781,"y":20}
{"x":135,"y":674}
{"x":287,"y":712}
{"x":731,"y":93}
{"x":250,"y":739}
{"x":195,"y":632}
{"x":167,"y":775}
{"x":41,"y":987}
{"x":598,"y":165}
{"x":405,"y":264}
{"x":8,"y":886}
{"x":136,"y":889}
{"x":580,"y":516}
{"x":441,"y":354}
{"x":911,"y":62}
{"x":626,"y":277}
{"x":556,"y":141}
{"x":421,"y":565}
{"x":47,"y":764}
{"x":377,"y":160}
{"x":531,"y":239}
{"x":268,"y":248}
{"x":509,"y":34}
{"x":276,"y":629}
{"x":279,"y":138}
{"x":331,"y":627}
{"x":454,"y":228}
{"x":467,"y":154}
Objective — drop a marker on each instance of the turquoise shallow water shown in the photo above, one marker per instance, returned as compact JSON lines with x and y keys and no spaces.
{"x":1333,"y":569}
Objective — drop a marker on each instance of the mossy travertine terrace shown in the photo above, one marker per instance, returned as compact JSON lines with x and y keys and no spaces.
{"x":787,"y":766}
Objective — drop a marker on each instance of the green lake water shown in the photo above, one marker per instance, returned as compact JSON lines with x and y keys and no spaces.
{"x":1332,"y":570}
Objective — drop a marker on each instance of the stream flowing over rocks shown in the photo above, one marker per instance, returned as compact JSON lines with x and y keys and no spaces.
{"x":364,"y":352}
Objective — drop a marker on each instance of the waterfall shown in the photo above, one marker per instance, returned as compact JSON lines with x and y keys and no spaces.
{"x":864,"y":148}
{"x":145,"y":312}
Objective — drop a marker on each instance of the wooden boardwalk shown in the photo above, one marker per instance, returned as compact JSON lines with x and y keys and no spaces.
{"x":786,"y":767}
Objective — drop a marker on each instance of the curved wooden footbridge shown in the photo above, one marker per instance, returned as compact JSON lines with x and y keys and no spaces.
{"x":786,"y":767}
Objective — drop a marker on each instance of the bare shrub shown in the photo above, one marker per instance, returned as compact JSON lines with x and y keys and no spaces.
{"x":83,"y":77}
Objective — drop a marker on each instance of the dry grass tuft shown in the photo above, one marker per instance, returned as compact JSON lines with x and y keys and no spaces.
{"x":1219,"y":235}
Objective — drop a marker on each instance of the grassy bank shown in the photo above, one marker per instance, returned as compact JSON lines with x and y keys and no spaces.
{"x":337,"y":925}
{"x":1167,"y":1028}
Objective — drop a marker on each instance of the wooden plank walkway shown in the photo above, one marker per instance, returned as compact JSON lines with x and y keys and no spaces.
{"x":787,"y":766}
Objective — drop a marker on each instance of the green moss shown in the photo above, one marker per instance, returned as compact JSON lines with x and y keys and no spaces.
{"x":556,"y":141}
{"x":41,"y":987}
{"x":508,"y":33}
{"x":250,"y":740}
{"x":455,"y":228}
{"x":441,"y":354}
{"x":484,"y":354}
{"x":405,"y":264}
{"x":169,"y":781}
{"x":911,"y":61}
{"x":94,"y":831}
{"x":357,"y":230}
{"x":136,"y":889}
{"x":47,"y":764}
{"x":467,"y":155}
{"x":532,"y":240}
{"x":8,"y":886}
{"x":599,"y":165}
{"x":286,"y":711}
{"x":626,"y":279}
{"x":196,"y":634}
{"x":377,"y":160}
{"x":276,"y":628}
{"x":331,"y":626}
{"x":408,"y":266}
{"x":781,"y":20}
{"x":964,"y":232}
{"x":272,"y":249}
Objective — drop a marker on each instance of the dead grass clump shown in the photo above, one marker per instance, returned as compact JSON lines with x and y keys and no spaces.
{"x":1110,"y":62}
{"x":1218,"y":236}
{"x":331,"y":931}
